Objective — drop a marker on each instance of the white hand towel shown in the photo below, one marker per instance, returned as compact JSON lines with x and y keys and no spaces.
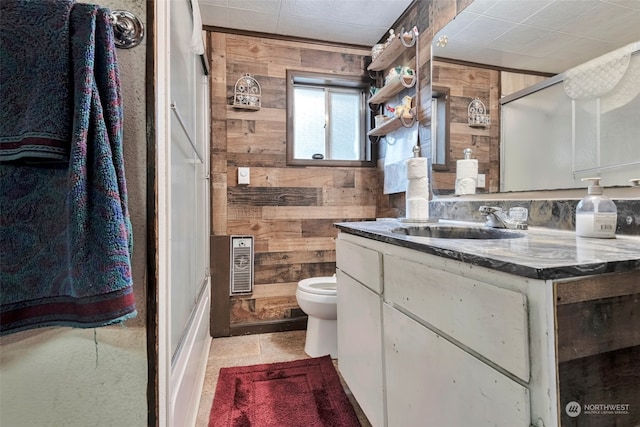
{"x":197,"y":46}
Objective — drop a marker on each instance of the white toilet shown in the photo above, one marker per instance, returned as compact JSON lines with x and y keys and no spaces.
{"x":317,"y":297}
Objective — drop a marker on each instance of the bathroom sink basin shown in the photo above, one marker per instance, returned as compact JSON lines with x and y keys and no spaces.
{"x":457,"y":232}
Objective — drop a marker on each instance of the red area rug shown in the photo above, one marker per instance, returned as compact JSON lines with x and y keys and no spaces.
{"x":302,"y":393}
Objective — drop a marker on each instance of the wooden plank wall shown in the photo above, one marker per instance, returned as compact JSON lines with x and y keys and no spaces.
{"x":598,"y":348}
{"x":429,"y":16}
{"x":289,"y":210}
{"x":466,"y":83}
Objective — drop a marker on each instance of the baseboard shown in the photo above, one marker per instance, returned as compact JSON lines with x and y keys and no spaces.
{"x":296,"y":324}
{"x":190,"y":364}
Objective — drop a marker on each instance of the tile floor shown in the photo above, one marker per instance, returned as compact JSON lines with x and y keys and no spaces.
{"x":251,"y":350}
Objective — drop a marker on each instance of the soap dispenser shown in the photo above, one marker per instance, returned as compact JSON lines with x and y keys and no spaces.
{"x":596,"y":214}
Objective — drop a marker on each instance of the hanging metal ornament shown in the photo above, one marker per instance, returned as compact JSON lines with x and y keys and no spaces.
{"x":247,"y":93}
{"x":478,"y":116}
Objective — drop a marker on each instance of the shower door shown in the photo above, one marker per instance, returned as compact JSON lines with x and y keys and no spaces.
{"x":183,"y":202}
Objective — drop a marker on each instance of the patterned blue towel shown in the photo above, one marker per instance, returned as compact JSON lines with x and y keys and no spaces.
{"x":35,"y":80}
{"x":65,"y":233}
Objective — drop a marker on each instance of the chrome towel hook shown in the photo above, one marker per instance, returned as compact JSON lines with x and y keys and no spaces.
{"x":127,"y":29}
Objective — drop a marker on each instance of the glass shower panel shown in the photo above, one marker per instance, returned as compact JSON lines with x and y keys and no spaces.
{"x":536,"y":141}
{"x":587,"y":135}
{"x":621,"y":141}
{"x":550,"y":141}
{"x":608,"y":134}
{"x":184,"y":247}
{"x":187,"y":213}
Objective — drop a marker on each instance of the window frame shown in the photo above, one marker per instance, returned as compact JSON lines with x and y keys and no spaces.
{"x":443,"y":94}
{"x":324,"y":80}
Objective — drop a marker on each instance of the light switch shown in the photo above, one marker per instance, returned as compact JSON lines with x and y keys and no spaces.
{"x":481,"y":181}
{"x":243,"y":176}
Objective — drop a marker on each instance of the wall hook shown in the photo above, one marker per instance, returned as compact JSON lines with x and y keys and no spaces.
{"x":127,"y":29}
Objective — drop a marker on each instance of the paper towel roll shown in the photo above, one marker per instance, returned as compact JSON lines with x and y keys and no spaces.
{"x":417,"y":208}
{"x":418,"y":187}
{"x":417,"y":167}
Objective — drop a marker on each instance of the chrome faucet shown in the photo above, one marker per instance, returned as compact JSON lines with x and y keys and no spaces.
{"x":497,"y":218}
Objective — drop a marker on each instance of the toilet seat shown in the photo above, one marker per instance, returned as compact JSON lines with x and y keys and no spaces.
{"x":319,"y":285}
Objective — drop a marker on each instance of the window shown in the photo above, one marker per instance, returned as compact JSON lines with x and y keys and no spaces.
{"x":326,"y":120}
{"x":440,"y":128}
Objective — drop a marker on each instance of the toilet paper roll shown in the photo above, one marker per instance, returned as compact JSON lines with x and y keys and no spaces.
{"x":417,"y":167}
{"x":465,"y":186}
{"x":418,"y":188}
{"x":467,"y":168}
{"x":417,"y":208}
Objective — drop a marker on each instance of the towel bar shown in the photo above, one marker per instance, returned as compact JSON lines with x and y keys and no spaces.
{"x":174,"y":108}
{"x":127,"y":29}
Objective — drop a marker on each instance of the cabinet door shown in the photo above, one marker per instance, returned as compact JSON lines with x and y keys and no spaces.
{"x":431,"y":382}
{"x":360,"y":345}
{"x":489,"y":320}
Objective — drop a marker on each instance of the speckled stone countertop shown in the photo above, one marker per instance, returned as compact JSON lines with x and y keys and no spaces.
{"x":540,"y":254}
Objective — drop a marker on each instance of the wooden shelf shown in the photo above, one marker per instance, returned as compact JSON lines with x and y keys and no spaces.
{"x":395,"y":86}
{"x":388,"y":55}
{"x":392,"y":88}
{"x":389,"y":126}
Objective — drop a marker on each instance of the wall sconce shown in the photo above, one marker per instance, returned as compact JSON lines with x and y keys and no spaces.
{"x":478,"y":116}
{"x":247,"y":93}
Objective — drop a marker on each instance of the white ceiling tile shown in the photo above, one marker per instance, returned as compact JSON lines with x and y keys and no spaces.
{"x":468,"y":53}
{"x":266,"y":6}
{"x":481,"y":6}
{"x":558,"y":13}
{"x":632,"y":4}
{"x":484,"y":30}
{"x":606,"y":22}
{"x":584,"y":49}
{"x":330,"y":31}
{"x":366,"y":12}
{"x":214,"y":16}
{"x":378,"y":13}
{"x":518,"y":39}
{"x":516,"y":11}
{"x":551,"y":43}
{"x":362,"y":35}
{"x":306,"y":8}
{"x":303,"y":27}
{"x":252,"y":21}
{"x":578,"y":29}
{"x":458,"y":24}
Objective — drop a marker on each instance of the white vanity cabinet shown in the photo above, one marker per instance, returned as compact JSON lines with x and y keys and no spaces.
{"x":359,"y":275}
{"x":489,"y":320}
{"x":432,"y":382}
{"x":438,"y":342}
{"x":514,"y":332}
{"x":446,"y":340}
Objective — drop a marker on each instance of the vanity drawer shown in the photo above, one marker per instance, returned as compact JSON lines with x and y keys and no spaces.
{"x":489,"y":320}
{"x":363,"y":264}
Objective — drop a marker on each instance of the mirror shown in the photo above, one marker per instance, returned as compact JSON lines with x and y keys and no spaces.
{"x":494,"y":48}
